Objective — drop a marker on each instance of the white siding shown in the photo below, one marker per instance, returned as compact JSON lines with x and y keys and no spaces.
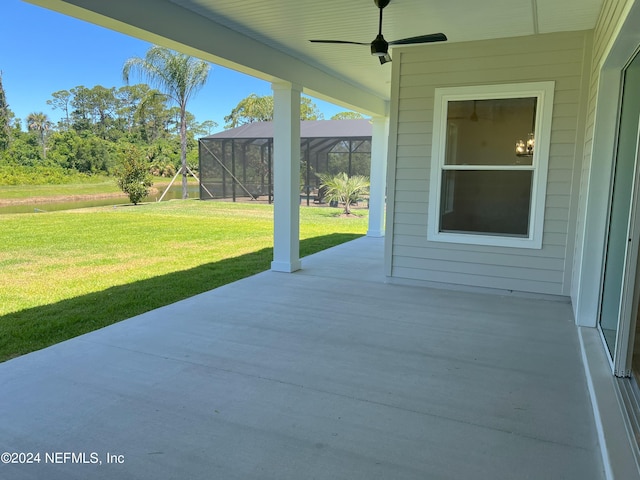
{"x":557,"y":57}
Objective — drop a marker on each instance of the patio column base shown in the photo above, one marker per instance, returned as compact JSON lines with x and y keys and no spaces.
{"x":286,"y":267}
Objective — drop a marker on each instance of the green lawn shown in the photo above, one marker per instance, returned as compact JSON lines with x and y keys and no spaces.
{"x":92,"y":186}
{"x":101,"y":186}
{"x":67,"y":273}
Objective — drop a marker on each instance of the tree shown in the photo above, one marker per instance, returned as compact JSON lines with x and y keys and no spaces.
{"x":204,"y":128}
{"x":61,"y":101}
{"x":24,"y":149}
{"x":133,"y":174}
{"x":251,"y":109}
{"x":344,"y":189}
{"x":142,"y":112}
{"x":177,"y":75}
{"x":39,"y":122}
{"x":5,"y":119}
{"x":84,"y":153}
{"x":103,"y":105}
{"x":309,"y":110}
{"x":347,"y":116}
{"x":93,"y":110}
{"x":260,"y":109}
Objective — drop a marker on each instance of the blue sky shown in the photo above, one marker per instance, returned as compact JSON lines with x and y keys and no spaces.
{"x":43,"y":51}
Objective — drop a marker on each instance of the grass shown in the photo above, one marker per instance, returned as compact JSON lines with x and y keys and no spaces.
{"x":98,"y":185}
{"x":68,"y":273}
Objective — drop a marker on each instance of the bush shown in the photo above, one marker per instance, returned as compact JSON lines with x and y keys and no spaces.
{"x":40,"y":175}
{"x":86,"y":153}
{"x":344,"y":189}
{"x":23,"y":150}
{"x":132,"y":174}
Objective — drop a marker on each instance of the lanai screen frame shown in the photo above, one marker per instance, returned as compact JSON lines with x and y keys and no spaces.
{"x":234,"y":184}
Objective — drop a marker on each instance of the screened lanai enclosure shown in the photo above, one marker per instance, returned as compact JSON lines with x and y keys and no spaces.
{"x":237,"y":164}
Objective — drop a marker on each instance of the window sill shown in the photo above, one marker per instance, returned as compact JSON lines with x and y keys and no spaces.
{"x":488,"y":240}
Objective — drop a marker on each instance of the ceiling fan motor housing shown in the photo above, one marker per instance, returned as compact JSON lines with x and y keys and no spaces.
{"x":379,"y":47}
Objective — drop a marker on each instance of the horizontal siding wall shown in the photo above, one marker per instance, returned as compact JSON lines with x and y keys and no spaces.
{"x":557,"y":57}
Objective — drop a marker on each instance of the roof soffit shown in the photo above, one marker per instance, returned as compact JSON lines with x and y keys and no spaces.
{"x":269,"y":39}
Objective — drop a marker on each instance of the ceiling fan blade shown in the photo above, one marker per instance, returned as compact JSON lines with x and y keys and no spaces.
{"x":434,"y":37}
{"x":380,"y":47}
{"x":385,"y":58}
{"x":338,"y":41}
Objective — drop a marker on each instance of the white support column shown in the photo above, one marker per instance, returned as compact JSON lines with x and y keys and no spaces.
{"x":286,"y":178}
{"x":378,"y":177}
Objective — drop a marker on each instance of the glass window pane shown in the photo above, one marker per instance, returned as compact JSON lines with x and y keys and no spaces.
{"x":485,"y":132}
{"x":486,"y":202}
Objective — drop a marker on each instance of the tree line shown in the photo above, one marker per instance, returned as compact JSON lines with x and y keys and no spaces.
{"x":100,"y":126}
{"x":97,"y":123}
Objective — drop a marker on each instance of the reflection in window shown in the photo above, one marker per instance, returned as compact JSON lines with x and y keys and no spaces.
{"x":487,"y":130}
{"x":491,"y":202}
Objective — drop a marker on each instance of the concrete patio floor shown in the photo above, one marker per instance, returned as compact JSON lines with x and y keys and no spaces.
{"x":328,"y":373}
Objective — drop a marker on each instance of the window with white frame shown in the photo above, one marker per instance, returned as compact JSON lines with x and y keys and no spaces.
{"x":489,"y":164}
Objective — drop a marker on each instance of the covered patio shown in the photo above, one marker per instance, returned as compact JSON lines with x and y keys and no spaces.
{"x":325,"y":373}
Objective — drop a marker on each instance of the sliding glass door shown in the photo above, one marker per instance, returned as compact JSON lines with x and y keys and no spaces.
{"x":621,"y":254}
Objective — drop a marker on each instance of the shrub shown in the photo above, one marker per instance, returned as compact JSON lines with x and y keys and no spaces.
{"x":133,"y":174}
{"x":40,"y":175}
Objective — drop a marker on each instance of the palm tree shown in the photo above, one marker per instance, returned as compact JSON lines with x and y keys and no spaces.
{"x":179,"y":77}
{"x":342,"y":188}
{"x":39,"y":122}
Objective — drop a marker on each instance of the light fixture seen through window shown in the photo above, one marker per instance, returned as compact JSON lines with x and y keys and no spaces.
{"x":525,"y":149}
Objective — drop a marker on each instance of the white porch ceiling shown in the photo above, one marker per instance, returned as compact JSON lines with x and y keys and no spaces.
{"x":269,"y":38}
